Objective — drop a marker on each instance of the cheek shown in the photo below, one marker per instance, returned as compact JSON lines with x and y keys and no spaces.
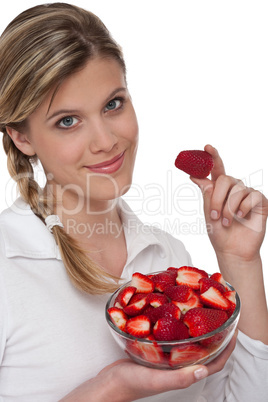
{"x":131,"y":128}
{"x":61,"y":153}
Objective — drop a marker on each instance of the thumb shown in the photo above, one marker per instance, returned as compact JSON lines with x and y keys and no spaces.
{"x":206,"y":186}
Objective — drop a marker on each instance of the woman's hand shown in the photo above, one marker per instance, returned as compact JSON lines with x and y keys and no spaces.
{"x":235,"y":214}
{"x":236,"y":220}
{"x":125,"y":381}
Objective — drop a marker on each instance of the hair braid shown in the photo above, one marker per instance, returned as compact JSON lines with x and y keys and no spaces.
{"x":38,"y":50}
{"x":83,"y":272}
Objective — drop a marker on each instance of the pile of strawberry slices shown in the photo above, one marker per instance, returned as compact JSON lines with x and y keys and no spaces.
{"x":176,"y":304}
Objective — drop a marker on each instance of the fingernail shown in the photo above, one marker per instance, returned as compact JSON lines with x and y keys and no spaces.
{"x":239,"y":214}
{"x":225,"y":222}
{"x":201,"y":373}
{"x":214,"y":214}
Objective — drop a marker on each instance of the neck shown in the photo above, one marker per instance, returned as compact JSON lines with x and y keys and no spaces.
{"x":96,"y":227}
{"x":88,"y":221}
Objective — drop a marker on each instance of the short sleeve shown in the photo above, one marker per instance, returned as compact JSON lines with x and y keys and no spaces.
{"x":3,"y":317}
{"x":3,"y":304}
{"x":244,"y":377}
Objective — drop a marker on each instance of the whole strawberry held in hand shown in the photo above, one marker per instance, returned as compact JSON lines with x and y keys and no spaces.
{"x":196,"y":163}
{"x":160,"y":315}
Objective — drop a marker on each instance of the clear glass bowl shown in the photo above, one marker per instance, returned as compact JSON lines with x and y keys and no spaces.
{"x":174,"y":354}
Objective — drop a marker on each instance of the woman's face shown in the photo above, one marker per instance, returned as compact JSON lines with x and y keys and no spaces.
{"x":86,"y":135}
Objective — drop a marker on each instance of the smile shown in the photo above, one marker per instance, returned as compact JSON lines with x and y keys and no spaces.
{"x":110,"y":166}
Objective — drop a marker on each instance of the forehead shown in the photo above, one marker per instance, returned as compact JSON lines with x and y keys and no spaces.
{"x":89,"y":86}
{"x":96,"y":74}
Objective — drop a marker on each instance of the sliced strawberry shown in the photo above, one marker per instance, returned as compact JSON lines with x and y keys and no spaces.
{"x":142,"y":283}
{"x":206,"y":283}
{"x":217,"y":276}
{"x":118,"y":317}
{"x":157,"y":299}
{"x":196,"y":163}
{"x":200,"y":321}
{"x":194,"y":301}
{"x":183,"y":354}
{"x":214,"y":298}
{"x":137,"y":296}
{"x":151,"y":352}
{"x":139,"y":326}
{"x":124,"y":296}
{"x":163,"y":280}
{"x":230,"y":295}
{"x":190,"y":276}
{"x":180,"y":293}
{"x":166,"y":310}
{"x":170,"y":329}
{"x":137,"y":307}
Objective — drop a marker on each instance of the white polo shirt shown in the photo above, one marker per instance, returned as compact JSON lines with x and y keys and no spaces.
{"x":53,"y":337}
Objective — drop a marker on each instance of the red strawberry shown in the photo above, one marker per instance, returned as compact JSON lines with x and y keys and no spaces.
{"x":166,"y":310}
{"x":190,"y":276}
{"x":195,"y":163}
{"x":151,"y":352}
{"x":230,"y":295}
{"x":118,"y":317}
{"x":137,"y":307}
{"x":163,"y":280}
{"x":157,"y":299}
{"x":172,"y":271}
{"x":194,"y":301}
{"x":217,"y":276}
{"x":200,"y":321}
{"x":206,"y":283}
{"x":124,"y":296}
{"x":170,"y":329}
{"x":214,"y":341}
{"x":139,"y":326}
{"x":214,"y":298}
{"x":142,"y":283}
{"x":182,"y":354}
{"x":180,"y":293}
{"x":138,"y":296}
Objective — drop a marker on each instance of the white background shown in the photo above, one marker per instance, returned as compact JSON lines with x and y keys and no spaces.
{"x":197,"y":72}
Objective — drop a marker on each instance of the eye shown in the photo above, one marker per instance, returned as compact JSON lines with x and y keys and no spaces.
{"x":113,"y":104}
{"x":68,"y":122}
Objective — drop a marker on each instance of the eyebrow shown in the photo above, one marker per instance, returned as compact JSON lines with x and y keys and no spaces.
{"x":74,"y":111}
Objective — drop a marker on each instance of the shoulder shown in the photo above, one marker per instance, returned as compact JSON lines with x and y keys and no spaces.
{"x":23,"y":234}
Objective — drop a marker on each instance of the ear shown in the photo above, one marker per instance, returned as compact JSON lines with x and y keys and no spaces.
{"x":21,"y":141}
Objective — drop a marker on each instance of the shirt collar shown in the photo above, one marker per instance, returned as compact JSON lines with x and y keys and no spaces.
{"x":138,"y":235}
{"x":25,"y":235}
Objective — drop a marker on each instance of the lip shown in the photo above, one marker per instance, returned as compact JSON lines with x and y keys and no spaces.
{"x":110,"y":166}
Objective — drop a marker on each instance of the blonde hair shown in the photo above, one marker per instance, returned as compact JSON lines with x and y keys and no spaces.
{"x":39,"y":49}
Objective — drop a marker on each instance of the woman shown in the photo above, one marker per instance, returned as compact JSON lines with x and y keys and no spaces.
{"x":64,"y":101}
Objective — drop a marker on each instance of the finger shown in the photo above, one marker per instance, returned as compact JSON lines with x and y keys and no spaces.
{"x":220,"y":361}
{"x":222,"y":189}
{"x":252,"y":212}
{"x":218,"y":168}
{"x":254,"y":201}
{"x":178,"y":379}
{"x":236,"y":196}
{"x":206,"y":186}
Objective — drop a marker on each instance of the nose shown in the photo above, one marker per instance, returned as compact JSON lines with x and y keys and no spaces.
{"x":102,"y":136}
